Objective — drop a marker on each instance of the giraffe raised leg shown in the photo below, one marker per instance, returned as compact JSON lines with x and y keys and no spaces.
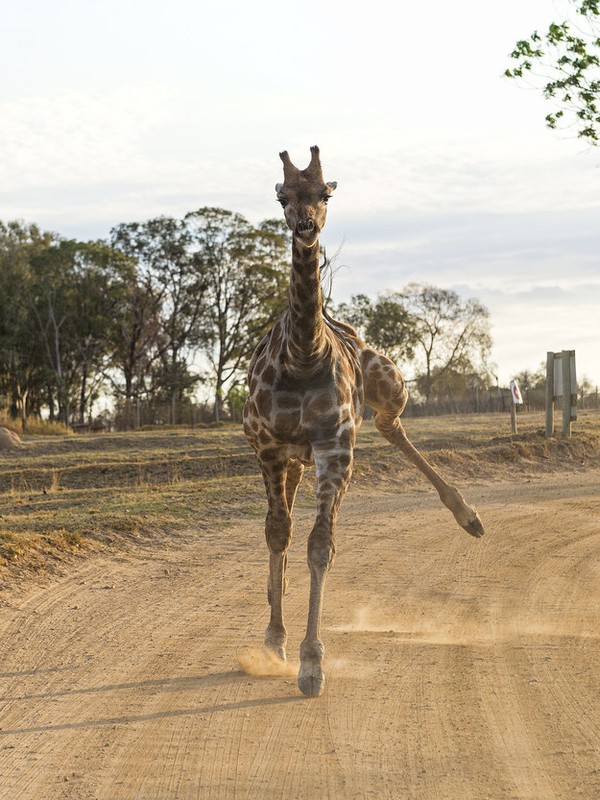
{"x":386,"y":394}
{"x":333,"y":464}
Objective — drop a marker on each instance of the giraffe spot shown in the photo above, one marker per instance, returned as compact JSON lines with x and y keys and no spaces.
{"x":344,"y":461}
{"x":250,"y":410}
{"x":385,"y":390}
{"x":276,"y":336}
{"x":268,"y":375}
{"x":288,"y":401}
{"x":346,"y":438}
{"x":258,"y":367}
{"x":301,"y":294}
{"x":269,"y":454}
{"x":264,"y":437}
{"x":320,"y":404}
{"x":286,"y":421}
{"x":330,"y":420}
{"x":264,"y":402}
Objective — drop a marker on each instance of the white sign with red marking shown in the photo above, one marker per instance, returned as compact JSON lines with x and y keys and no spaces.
{"x":515,"y":393}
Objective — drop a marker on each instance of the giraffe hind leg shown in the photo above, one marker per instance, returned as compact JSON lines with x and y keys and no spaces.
{"x":466,"y":515}
{"x":386,"y":393}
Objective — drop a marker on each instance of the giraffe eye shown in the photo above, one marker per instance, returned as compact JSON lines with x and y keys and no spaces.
{"x":325,"y":198}
{"x":283,"y":201}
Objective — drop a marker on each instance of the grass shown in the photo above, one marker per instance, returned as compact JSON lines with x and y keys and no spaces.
{"x":68,"y":494}
{"x":35,"y":425}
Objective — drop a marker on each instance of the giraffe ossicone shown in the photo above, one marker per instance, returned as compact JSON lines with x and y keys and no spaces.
{"x":309,"y":381}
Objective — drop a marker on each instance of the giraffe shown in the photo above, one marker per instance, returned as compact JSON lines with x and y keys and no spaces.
{"x":309,"y":381}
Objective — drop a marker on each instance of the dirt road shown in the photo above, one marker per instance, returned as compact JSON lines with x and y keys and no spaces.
{"x":456,"y":668}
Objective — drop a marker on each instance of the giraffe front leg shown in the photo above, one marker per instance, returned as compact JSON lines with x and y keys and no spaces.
{"x":311,"y":678}
{"x":278,"y":532}
{"x":333,"y":473}
{"x":276,"y":633}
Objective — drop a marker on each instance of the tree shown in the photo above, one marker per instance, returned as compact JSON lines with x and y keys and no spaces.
{"x":102,"y":276}
{"x":532,"y":379}
{"x":454,"y":385}
{"x":246,"y":271}
{"x":585,"y":387}
{"x":136,"y":331}
{"x":165,"y":266}
{"x":74,"y":292}
{"x":136,"y":311}
{"x":569,"y":57}
{"x":385,"y":324}
{"x":355,"y":312}
{"x":451,"y":335}
{"x":22,"y":370}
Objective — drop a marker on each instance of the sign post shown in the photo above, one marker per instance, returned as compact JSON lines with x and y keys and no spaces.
{"x":561,"y":381}
{"x":516,"y":400}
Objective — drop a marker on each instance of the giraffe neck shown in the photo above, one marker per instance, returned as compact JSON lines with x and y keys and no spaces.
{"x":306,"y":336}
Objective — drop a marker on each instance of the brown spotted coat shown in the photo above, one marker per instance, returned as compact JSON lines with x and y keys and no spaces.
{"x":309,"y":381}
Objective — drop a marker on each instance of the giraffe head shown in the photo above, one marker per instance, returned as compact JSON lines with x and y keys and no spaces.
{"x":303,"y":196}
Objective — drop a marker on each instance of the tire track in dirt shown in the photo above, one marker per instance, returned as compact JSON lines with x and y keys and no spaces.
{"x":455,"y":668}
{"x":566,"y":615}
{"x":529,"y":702}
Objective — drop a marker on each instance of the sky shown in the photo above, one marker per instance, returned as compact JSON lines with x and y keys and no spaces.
{"x":117,"y":111}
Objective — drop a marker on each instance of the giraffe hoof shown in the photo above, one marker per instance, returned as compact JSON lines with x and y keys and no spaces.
{"x":311,"y":680}
{"x":277,"y":650}
{"x":475,"y":527}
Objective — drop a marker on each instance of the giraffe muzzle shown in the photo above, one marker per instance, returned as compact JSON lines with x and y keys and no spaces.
{"x":305,"y":226}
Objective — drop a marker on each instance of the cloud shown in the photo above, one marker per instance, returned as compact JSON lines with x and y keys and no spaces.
{"x":537,"y":272}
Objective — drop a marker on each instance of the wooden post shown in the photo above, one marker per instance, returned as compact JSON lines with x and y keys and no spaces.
{"x":566,"y":393}
{"x":549,"y":395}
{"x":513,"y":417}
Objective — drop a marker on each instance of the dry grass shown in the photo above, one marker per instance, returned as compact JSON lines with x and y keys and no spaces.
{"x":35,"y":426}
{"x":62,"y":495}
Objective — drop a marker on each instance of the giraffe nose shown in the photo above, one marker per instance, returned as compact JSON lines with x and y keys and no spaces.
{"x":305,"y":226}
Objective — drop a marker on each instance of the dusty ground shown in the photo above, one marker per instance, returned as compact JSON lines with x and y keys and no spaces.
{"x":456,"y":668}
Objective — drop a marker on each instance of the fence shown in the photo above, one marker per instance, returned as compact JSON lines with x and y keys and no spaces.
{"x":496,"y":399}
{"x":493,"y":400}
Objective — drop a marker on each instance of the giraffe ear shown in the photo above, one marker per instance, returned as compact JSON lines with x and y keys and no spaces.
{"x":331,"y":185}
{"x":279,"y":187}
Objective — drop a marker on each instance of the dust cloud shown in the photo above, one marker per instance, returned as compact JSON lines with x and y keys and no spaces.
{"x":490,"y":624}
{"x":260,"y":661}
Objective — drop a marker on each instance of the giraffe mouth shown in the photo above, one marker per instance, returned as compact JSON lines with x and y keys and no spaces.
{"x":305,"y":225}
{"x":306,"y":230}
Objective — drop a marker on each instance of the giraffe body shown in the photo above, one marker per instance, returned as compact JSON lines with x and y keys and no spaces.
{"x":309,"y":381}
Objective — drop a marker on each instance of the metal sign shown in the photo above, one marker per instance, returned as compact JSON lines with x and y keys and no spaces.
{"x":558,"y":373}
{"x":561,"y":382}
